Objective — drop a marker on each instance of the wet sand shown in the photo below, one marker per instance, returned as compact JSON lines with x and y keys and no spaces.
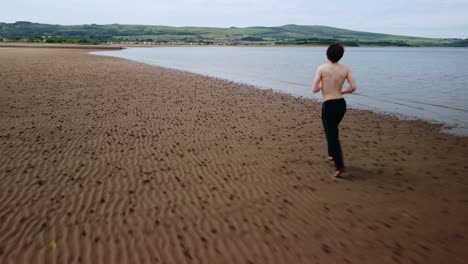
{"x":104,"y":160}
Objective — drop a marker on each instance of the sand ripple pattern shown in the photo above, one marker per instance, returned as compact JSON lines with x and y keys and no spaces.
{"x":119,"y":162}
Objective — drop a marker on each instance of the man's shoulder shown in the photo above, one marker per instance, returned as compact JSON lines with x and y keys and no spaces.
{"x":321,"y":67}
{"x":344,"y":66}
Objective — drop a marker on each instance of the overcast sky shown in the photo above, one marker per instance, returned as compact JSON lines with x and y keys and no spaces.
{"x":428,"y":18}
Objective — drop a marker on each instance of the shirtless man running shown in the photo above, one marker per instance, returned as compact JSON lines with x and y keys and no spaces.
{"x":329,"y":79}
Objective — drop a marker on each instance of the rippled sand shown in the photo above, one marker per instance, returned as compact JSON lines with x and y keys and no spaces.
{"x":103,"y":160}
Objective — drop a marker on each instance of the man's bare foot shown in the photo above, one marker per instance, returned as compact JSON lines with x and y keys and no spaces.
{"x":339,"y":173}
{"x":330,"y":158}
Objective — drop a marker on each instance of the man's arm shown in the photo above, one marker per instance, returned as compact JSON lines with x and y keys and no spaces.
{"x":317,"y":81}
{"x":352,"y":83}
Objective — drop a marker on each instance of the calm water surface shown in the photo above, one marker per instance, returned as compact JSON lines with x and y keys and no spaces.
{"x":426,"y":83}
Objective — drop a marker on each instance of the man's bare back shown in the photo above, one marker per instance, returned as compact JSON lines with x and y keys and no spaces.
{"x":330,"y":78}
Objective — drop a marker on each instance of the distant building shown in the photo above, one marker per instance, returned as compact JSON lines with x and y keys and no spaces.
{"x":192,"y":42}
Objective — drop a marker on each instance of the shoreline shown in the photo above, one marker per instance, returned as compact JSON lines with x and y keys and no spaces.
{"x":445,"y":128}
{"x":124,"y":46}
{"x":121,"y":162}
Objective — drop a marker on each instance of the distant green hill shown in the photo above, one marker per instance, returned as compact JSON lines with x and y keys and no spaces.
{"x":286,"y":35}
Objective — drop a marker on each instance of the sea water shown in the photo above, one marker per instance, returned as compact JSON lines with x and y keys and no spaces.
{"x":424,"y":83}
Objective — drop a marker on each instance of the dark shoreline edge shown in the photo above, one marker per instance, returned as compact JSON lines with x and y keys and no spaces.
{"x":440,"y":127}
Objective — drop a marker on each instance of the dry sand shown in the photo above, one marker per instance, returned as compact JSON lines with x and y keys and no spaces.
{"x":60,"y":46}
{"x":120,"y":162}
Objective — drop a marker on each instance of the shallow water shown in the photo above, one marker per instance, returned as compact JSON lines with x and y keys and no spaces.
{"x":426,"y":83}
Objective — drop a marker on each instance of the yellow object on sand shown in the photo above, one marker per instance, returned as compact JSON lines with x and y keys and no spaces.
{"x":53,"y":244}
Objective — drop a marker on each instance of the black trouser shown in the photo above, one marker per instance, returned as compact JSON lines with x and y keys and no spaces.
{"x":332,"y":113}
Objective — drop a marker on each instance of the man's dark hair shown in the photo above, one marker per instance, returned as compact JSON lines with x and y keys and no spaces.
{"x":335,"y":52}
